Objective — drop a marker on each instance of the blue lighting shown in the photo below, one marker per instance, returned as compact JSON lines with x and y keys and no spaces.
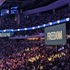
{"x":54,"y":23}
{"x":37,"y":27}
{"x":62,"y":21}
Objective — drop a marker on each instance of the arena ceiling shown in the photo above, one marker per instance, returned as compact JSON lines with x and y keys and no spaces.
{"x":26,"y":4}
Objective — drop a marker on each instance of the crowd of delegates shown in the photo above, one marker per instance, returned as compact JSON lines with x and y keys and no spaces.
{"x":25,"y":55}
{"x":7,"y":22}
{"x":44,"y":17}
{"x":29,"y":55}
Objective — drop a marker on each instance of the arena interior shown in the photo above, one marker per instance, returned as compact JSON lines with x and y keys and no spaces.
{"x":34,"y":34}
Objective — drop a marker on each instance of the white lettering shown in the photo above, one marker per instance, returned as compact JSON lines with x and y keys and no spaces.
{"x":54,"y":35}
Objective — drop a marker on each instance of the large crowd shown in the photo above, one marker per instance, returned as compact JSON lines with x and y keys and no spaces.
{"x":33,"y":55}
{"x":10,"y":21}
{"x":44,"y":17}
{"x":26,"y":55}
{"x":7,"y":22}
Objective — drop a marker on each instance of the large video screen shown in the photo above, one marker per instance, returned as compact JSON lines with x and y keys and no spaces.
{"x":55,"y":35}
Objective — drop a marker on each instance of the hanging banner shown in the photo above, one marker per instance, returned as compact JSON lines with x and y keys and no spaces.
{"x":55,"y":35}
{"x":6,"y":34}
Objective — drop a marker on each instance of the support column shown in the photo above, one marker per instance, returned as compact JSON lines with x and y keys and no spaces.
{"x":9,"y":10}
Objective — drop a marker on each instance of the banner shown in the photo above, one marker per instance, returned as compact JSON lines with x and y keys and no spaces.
{"x":6,"y":34}
{"x":55,"y":35}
